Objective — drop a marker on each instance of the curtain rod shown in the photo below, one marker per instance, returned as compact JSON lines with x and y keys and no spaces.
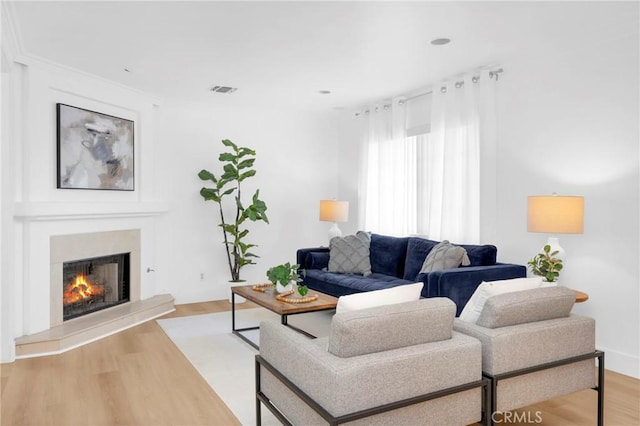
{"x":458,"y":84}
{"x":443,"y":89}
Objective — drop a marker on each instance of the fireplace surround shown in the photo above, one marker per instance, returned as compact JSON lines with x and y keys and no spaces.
{"x":62,"y":335}
{"x":83,"y":250}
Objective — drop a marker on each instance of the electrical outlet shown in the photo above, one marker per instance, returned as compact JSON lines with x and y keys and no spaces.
{"x":201,"y":276}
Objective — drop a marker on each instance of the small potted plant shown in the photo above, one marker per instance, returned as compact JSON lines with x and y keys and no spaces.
{"x":284,"y":276}
{"x":546,"y":265}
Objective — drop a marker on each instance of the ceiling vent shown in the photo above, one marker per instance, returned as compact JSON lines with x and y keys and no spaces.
{"x":223,"y":89}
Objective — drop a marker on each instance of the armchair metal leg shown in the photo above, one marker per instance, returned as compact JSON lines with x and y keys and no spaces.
{"x":494,"y":400}
{"x":599,"y":388}
{"x":486,"y":402}
{"x":258,"y":413}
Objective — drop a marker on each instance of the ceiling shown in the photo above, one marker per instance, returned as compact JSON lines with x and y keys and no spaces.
{"x":281,"y":54}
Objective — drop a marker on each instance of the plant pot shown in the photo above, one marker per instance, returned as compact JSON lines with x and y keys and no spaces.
{"x":284,"y":288}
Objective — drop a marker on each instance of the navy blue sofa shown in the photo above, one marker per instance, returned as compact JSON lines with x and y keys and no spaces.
{"x":397,"y":261}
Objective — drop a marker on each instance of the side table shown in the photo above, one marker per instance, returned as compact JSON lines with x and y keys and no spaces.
{"x":581,"y":296}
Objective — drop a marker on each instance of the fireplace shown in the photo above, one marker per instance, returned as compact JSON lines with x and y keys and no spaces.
{"x":97,"y":256}
{"x":113,"y":307}
{"x":93,"y":284}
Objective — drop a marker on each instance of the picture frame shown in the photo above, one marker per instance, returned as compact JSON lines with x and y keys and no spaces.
{"x":94,"y":150}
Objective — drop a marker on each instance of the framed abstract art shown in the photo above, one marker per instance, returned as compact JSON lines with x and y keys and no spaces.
{"x":95,"y":150}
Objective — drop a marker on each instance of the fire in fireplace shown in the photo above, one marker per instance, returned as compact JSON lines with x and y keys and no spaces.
{"x":94,"y":284}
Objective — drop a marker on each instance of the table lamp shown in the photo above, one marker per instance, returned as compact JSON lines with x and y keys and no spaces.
{"x":334,"y":211}
{"x":555,"y":214}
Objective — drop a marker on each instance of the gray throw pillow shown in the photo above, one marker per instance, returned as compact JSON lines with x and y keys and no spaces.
{"x":445,"y":256}
{"x":350,"y":254}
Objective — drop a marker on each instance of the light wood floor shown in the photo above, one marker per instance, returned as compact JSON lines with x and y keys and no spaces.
{"x":138,"y":377}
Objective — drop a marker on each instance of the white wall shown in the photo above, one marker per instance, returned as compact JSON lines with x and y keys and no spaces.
{"x":296,"y":167}
{"x":568,"y":124}
{"x":351,"y":128}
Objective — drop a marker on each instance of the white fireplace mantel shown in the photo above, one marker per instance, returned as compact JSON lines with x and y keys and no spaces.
{"x":37,"y":211}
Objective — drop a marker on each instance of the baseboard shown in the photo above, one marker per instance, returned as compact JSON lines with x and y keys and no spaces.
{"x":622,"y":363}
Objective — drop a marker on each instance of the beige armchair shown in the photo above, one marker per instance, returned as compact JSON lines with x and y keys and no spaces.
{"x":394,"y":364}
{"x":534,"y":349}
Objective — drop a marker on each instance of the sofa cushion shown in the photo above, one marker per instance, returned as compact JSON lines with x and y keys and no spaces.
{"x":388,"y":254}
{"x":389,"y":327}
{"x":342,"y":284}
{"x":350,"y":254}
{"x":485,"y":290}
{"x":444,"y":256}
{"x":387,"y":296}
{"x":481,"y":255}
{"x":526,"y":306}
{"x":417,"y":251}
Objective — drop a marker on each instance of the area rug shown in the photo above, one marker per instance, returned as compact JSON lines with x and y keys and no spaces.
{"x":227,"y":362}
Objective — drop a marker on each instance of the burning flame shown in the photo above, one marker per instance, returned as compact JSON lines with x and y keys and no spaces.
{"x":80,"y":289}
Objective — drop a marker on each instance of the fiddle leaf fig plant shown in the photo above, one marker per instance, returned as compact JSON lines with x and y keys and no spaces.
{"x":237,"y":166}
{"x":546,"y":265}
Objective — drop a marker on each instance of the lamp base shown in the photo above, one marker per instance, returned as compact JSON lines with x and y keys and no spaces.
{"x":334,"y":231}
{"x":554,"y":243}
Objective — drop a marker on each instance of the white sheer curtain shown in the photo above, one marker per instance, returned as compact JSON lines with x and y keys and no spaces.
{"x":387,"y":195}
{"x":462,"y":121}
{"x":430,"y":184}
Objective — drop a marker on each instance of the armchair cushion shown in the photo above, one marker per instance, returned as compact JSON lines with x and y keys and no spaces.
{"x":521,"y":307}
{"x":387,"y":296}
{"x":389,"y":327}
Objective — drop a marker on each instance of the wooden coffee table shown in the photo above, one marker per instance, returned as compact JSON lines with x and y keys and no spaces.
{"x":267,"y":299}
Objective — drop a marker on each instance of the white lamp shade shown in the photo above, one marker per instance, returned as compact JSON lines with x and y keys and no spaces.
{"x":334,"y":211}
{"x":555,"y":214}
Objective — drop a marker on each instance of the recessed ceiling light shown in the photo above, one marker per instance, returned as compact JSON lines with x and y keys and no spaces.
{"x":440,"y":41}
{"x":324,"y":92}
